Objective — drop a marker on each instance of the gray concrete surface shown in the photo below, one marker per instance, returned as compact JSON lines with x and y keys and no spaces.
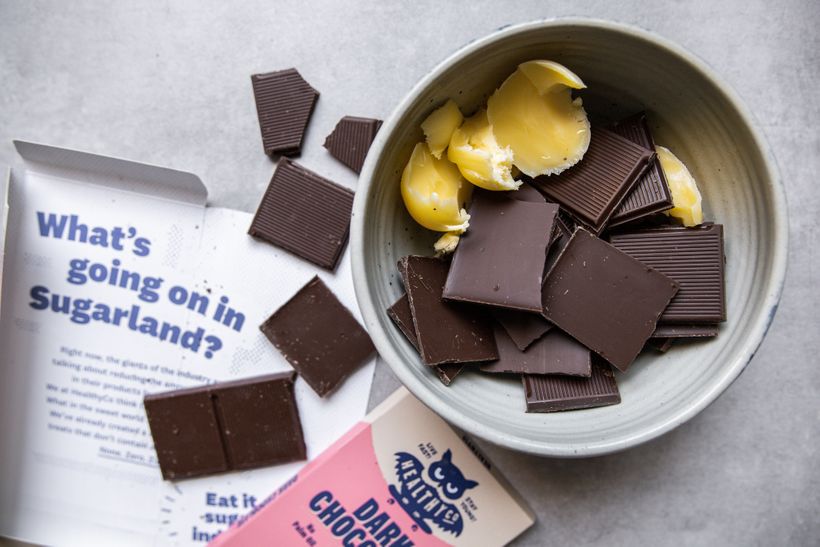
{"x":167,"y":82}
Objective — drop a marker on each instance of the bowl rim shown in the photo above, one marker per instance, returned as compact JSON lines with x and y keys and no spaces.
{"x":729,"y":373}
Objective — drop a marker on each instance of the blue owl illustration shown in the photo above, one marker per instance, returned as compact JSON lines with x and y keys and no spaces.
{"x":422,"y":501}
{"x":449,"y":477}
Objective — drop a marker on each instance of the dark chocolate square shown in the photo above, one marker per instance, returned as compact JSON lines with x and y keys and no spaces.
{"x":351,"y":139}
{"x":319,"y":337}
{"x":604,"y":298}
{"x":553,"y":353}
{"x":552,"y":393}
{"x":305,"y":214}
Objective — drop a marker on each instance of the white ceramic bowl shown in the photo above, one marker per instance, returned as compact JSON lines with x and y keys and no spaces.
{"x":693,"y":113}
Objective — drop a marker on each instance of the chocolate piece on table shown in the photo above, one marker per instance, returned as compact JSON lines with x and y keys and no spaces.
{"x":604,"y":298}
{"x":593,"y":188}
{"x":522,"y":327}
{"x":448,"y":332}
{"x":500,"y":259}
{"x":236,"y":425}
{"x":402,"y":316}
{"x":685,"y":331}
{"x":350,"y":140}
{"x":693,"y":257}
{"x":319,"y":337}
{"x":553,"y":353}
{"x":284,"y":103}
{"x":553,"y":393}
{"x":305,"y":214}
{"x":651,"y":193}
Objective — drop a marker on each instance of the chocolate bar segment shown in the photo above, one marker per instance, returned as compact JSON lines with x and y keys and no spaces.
{"x":592,"y":189}
{"x":651,"y":193}
{"x":351,"y":139}
{"x":554,"y":353}
{"x":448,"y":332}
{"x":557,"y":393}
{"x":523,"y":328}
{"x":242,"y":424}
{"x":500,"y":260}
{"x":402,"y":317}
{"x":319,"y":337}
{"x":685,"y":331}
{"x":305,"y":214}
{"x":693,"y":257}
{"x":284,"y":103}
{"x":604,"y":298}
{"x":526,"y":192}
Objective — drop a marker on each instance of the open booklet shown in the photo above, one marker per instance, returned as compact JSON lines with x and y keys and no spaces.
{"x":118,"y":281}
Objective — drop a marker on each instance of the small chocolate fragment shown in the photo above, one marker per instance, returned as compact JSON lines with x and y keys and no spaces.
{"x":350,"y":140}
{"x":500,"y":260}
{"x":651,"y":193}
{"x":319,"y":337}
{"x":244,"y":424}
{"x":402,"y":316}
{"x":693,"y":257}
{"x":284,"y":103}
{"x":554,"y":353}
{"x":660,"y":345}
{"x":592,"y":189}
{"x":523,"y":328}
{"x":685,"y":331}
{"x":552,"y":393}
{"x":448,"y":332}
{"x":305,"y":214}
{"x":604,"y":298}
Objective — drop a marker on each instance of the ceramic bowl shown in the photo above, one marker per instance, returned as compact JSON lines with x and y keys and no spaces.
{"x":693,"y":113}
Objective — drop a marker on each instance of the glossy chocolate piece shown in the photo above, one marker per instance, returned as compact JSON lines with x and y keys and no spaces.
{"x":319,"y":337}
{"x":500,"y":259}
{"x":448,"y":332}
{"x":402,"y":317}
{"x":244,"y":424}
{"x":305,"y":214}
{"x":605,"y":299}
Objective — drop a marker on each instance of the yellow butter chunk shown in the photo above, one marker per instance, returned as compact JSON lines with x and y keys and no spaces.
{"x":434,"y":192}
{"x":686,"y":198}
{"x":439,"y":126}
{"x":447,"y":243}
{"x":534,"y":114}
{"x":474,"y":150}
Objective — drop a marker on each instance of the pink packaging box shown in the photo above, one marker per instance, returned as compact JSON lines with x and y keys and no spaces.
{"x":400,"y":477}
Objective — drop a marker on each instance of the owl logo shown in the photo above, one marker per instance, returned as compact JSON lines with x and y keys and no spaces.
{"x":422,"y":500}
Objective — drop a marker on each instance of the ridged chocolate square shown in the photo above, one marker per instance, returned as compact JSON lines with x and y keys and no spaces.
{"x":593,"y":188}
{"x":693,"y":257}
{"x":319,"y":337}
{"x":284,"y":103}
{"x":651,"y":193}
{"x":351,"y":139}
{"x":552,"y":393}
{"x":305,"y":214}
{"x":402,"y":317}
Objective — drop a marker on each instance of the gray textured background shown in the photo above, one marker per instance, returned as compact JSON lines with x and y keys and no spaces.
{"x":168,"y":83}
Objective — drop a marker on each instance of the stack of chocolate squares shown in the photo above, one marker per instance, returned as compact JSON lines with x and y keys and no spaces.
{"x":567,"y":278}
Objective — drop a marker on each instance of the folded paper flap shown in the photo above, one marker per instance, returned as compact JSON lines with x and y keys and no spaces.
{"x":119,"y":174}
